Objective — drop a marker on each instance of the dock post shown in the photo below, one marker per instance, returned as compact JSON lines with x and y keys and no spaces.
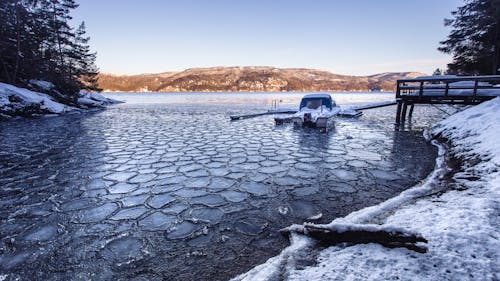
{"x":403,"y":114}
{"x":410,"y":114}
{"x":398,"y":112}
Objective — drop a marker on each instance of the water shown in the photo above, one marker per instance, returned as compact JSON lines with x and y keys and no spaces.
{"x":166,"y":187}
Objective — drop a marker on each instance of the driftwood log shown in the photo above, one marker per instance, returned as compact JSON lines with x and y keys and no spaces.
{"x":358,"y":235}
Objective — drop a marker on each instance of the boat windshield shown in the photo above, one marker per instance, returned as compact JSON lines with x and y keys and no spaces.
{"x":315,"y":103}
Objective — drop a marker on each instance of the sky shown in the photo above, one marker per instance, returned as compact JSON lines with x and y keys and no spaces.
{"x":353,"y":37}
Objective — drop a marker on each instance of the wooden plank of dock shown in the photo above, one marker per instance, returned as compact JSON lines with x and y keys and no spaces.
{"x":374,"y":105}
{"x":270,"y":112}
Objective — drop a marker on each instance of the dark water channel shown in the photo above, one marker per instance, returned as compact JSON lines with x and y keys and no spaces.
{"x":170,"y":191}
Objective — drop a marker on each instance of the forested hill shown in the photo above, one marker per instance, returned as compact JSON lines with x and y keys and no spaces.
{"x":235,"y":79}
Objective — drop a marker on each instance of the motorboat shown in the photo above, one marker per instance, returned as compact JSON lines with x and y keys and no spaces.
{"x":315,"y":110}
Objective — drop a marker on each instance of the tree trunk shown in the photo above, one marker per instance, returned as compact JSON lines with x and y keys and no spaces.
{"x":361,"y":235}
{"x":18,"y":45}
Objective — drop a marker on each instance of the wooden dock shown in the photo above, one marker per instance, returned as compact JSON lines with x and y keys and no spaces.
{"x":467,"y":90}
{"x":270,"y":112}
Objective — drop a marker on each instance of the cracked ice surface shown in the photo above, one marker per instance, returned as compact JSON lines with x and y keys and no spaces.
{"x":177,"y":192}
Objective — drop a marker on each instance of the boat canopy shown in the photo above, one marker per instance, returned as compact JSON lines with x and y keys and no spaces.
{"x":314,"y":101}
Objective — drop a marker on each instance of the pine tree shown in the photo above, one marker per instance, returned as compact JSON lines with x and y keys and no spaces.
{"x":474,"y":40}
{"x":437,"y":72}
{"x":37,"y":42}
{"x":84,"y":67}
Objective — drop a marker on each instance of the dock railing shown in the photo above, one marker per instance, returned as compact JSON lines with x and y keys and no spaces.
{"x":444,"y":90}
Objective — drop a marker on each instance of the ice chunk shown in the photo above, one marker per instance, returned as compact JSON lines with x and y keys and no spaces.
{"x":122,"y":250}
{"x":96,"y":214}
{"x":122,"y":187}
{"x":134,"y":200}
{"x":221,"y":183}
{"x":211,"y":200}
{"x":44,"y":233}
{"x":248,"y":228}
{"x":183,"y":230}
{"x":157,"y":221}
{"x":197,"y":182}
{"x":345,"y":174}
{"x":189,"y":193}
{"x":160,"y":200}
{"x":129,"y":213}
{"x":120,"y":176}
{"x":234,"y":196}
{"x":304,"y":191}
{"x":176,"y":208}
{"x":255,"y":188}
{"x":210,"y":215}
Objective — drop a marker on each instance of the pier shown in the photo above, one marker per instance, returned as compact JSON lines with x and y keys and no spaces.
{"x":466,"y":90}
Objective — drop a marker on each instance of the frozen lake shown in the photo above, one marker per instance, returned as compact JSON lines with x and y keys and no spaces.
{"x":166,"y":187}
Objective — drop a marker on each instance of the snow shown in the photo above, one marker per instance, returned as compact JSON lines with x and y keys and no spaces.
{"x":16,"y":101}
{"x":27,"y":98}
{"x":460,"y":219}
{"x":42,"y":84}
{"x":316,"y":113}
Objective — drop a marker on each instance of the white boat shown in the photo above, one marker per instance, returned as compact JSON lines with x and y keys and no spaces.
{"x":315,"y":110}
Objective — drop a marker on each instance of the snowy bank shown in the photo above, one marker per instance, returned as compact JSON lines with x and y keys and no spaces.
{"x":15,"y":101}
{"x":458,"y":216}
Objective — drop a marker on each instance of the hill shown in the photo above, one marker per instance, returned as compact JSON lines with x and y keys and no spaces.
{"x":250,"y":79}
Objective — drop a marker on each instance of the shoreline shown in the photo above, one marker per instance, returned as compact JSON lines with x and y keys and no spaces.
{"x":462,"y":240}
{"x":18,"y":102}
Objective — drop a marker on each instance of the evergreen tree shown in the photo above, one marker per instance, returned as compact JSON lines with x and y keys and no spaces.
{"x":37,"y":42}
{"x":474,"y":40}
{"x":437,"y":72}
{"x":83,"y":67}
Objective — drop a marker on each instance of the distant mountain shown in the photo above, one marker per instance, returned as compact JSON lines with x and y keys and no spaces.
{"x":250,"y":79}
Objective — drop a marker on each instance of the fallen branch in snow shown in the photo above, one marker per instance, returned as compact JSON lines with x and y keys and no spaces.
{"x":362,"y":234}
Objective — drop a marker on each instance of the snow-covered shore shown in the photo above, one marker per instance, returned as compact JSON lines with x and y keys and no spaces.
{"x":459,"y":216}
{"x":15,"y":101}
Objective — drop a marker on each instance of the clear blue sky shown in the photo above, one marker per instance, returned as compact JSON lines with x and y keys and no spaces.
{"x":355,"y":37}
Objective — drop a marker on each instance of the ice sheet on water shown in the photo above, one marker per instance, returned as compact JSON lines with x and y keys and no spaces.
{"x":78,"y":204}
{"x":175,"y":208}
{"x":221,"y":183}
{"x":288,"y":181}
{"x":43,"y":233}
{"x":142,"y":178}
{"x":210,"y":215}
{"x":120,"y":176}
{"x":256,"y":188}
{"x":160,"y":200}
{"x":234,"y":196}
{"x":197,"y":182}
{"x":182,"y":230}
{"x":304,"y":209}
{"x":130,"y":213}
{"x":248,"y":228}
{"x":210,"y":200}
{"x":385,"y":175}
{"x":122,"y":187}
{"x":10,"y":261}
{"x":340,"y":187}
{"x":157,"y":221}
{"x":96,"y":214}
{"x":134,"y":200}
{"x":272,"y":169}
{"x":122,"y":250}
{"x":189,"y":193}
{"x":304,"y":191}
{"x":345,"y":174}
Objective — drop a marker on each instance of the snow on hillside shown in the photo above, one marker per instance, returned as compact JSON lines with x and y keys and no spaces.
{"x":460,"y":219}
{"x":15,"y":101}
